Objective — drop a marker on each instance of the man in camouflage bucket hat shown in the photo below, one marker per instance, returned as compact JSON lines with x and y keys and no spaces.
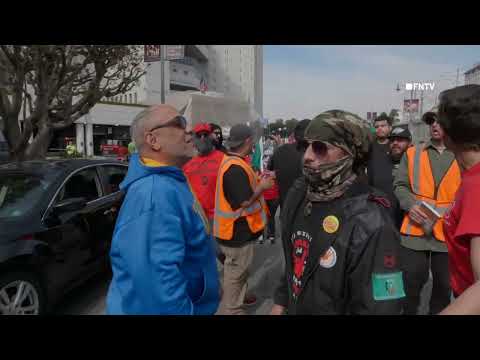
{"x":339,"y":242}
{"x":349,"y":133}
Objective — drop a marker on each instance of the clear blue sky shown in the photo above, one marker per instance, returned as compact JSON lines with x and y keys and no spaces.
{"x":302,"y":81}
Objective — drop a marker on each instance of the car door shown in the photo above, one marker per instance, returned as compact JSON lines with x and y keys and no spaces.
{"x":111,"y":175}
{"x":70,"y":232}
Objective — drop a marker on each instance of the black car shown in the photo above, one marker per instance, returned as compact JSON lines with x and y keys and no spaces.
{"x":56,"y":225}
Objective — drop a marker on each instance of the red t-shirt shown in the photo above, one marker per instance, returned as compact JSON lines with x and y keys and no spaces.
{"x":461,"y":224}
{"x":202,"y":172}
{"x":273,"y":192}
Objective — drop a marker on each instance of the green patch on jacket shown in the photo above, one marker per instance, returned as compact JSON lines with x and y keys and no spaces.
{"x":388,"y":286}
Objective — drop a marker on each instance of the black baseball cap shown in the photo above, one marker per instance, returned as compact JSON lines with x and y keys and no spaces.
{"x":400,"y":132}
{"x":238,"y":134}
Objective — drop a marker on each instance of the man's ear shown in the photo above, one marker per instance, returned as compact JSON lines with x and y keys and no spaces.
{"x":149,"y":139}
{"x":152,"y":142}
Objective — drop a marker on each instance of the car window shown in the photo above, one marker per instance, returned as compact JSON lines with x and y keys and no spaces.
{"x":20,"y":193}
{"x":114,"y":175}
{"x":84,"y":184}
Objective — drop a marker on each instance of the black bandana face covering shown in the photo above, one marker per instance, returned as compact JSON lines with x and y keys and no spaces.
{"x":203,"y":145}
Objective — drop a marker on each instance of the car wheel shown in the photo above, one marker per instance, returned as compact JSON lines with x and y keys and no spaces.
{"x":21,"y":294}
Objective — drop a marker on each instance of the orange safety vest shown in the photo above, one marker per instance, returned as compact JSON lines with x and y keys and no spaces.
{"x":422,"y":185}
{"x":225,"y":217}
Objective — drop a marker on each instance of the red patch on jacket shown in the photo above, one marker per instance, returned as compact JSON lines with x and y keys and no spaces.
{"x":380,"y":200}
{"x":389,"y":261}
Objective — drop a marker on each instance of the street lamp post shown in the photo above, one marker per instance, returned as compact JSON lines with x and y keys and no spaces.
{"x":162,"y":75}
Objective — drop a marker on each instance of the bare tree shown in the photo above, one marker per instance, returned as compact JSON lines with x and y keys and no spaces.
{"x":56,"y":85}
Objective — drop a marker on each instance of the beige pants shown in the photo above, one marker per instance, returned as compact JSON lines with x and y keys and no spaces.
{"x":235,"y":276}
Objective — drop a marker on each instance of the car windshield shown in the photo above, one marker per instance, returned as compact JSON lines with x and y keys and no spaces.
{"x":20,"y":193}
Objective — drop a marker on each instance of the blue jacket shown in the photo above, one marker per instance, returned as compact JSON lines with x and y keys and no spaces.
{"x":163,"y":260}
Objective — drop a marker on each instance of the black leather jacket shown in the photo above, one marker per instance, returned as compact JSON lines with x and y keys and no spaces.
{"x":364,"y":277}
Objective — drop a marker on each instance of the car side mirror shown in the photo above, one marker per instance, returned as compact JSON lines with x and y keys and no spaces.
{"x":69,"y":205}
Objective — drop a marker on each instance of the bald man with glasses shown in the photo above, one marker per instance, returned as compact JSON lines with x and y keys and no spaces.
{"x":162,"y":256}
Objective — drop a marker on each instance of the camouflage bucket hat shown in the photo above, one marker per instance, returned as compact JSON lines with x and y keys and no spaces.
{"x":343,"y":129}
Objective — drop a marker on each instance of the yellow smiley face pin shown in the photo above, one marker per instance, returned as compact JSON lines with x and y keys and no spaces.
{"x":331,"y":224}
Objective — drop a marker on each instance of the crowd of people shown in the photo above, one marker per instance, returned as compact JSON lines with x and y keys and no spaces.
{"x":365,"y":219}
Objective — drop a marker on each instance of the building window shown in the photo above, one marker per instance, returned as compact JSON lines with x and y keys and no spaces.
{"x":125,"y":98}
{"x":136,"y":100}
{"x":130,"y":98}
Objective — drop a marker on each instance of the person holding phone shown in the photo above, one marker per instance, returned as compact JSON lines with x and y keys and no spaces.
{"x":240,"y":216}
{"x":430,"y":174}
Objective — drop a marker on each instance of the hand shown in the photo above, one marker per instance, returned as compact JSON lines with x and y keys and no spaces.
{"x":245,"y":204}
{"x":417,"y":215}
{"x":277,"y":310}
{"x":266,"y":183}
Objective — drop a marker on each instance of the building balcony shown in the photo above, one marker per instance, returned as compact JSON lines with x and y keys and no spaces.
{"x":185,"y":75}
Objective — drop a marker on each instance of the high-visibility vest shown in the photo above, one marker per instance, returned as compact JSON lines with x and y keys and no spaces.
{"x":225,"y":217}
{"x":422,"y":185}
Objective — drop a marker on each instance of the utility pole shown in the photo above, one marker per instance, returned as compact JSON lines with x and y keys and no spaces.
{"x":162,"y":64}
{"x":421,"y":103}
{"x":410,"y":107}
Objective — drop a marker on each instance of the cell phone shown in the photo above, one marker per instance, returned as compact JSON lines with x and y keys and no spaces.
{"x":432,"y":214}
{"x":268,"y":173}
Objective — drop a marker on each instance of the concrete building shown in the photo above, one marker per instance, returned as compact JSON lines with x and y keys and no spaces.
{"x":472,"y":76}
{"x":237,"y":71}
{"x":233,"y":70}
{"x":234,"y":77}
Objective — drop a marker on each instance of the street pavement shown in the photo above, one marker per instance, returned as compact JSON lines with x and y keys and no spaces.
{"x":89,"y":299}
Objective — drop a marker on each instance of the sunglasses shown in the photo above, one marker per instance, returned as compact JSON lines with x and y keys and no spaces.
{"x":320,"y":148}
{"x":177,"y":122}
{"x":429,"y":120}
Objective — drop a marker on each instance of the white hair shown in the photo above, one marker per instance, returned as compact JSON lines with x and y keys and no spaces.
{"x":137,"y":128}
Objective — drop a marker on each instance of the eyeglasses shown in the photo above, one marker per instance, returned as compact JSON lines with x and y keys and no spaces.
{"x":178,"y":122}
{"x":320,"y":148}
